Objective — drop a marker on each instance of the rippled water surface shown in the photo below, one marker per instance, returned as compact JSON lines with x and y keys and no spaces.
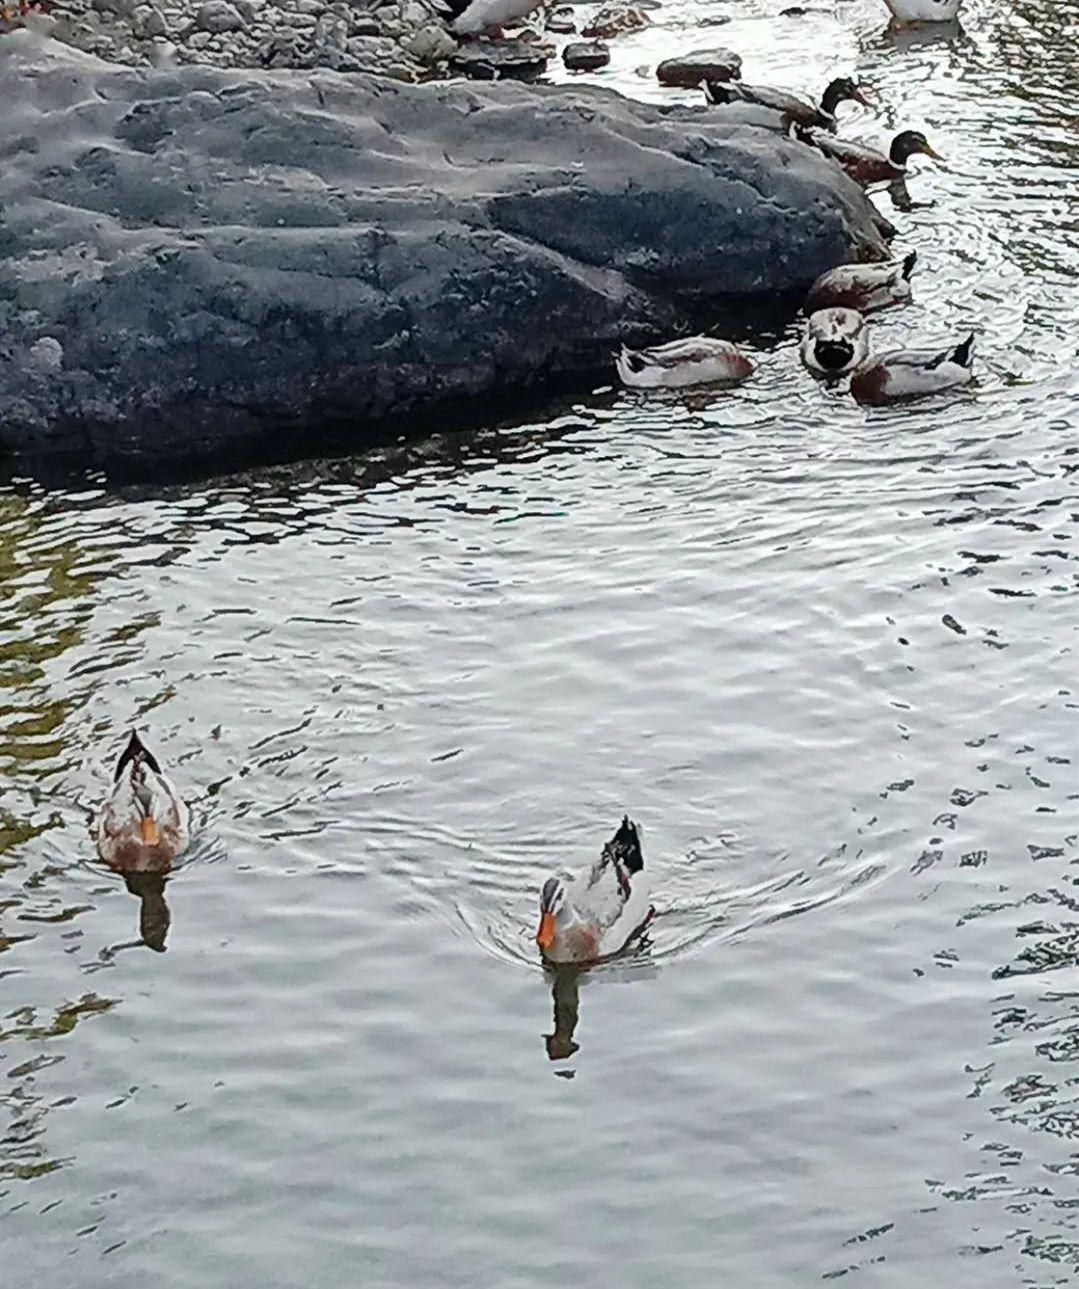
{"x":826,"y":657}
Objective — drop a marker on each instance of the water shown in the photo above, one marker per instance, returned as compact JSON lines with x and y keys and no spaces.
{"x":826,"y":657}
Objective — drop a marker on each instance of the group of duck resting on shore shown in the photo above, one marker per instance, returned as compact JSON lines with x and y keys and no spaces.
{"x":835,"y":343}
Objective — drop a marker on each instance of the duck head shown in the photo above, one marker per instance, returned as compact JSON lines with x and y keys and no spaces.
{"x":909,"y":144}
{"x":843,"y":90}
{"x":552,"y":901}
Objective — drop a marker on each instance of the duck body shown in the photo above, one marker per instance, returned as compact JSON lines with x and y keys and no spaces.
{"x":484,"y":15}
{"x":909,"y":13}
{"x":835,"y":342}
{"x":913,"y":373}
{"x":868,"y":165}
{"x":697,"y":360}
{"x":144,"y":825}
{"x":597,"y":914}
{"x":789,"y":106}
{"x":864,"y":287}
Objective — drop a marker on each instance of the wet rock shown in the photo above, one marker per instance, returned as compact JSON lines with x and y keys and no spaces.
{"x":689,"y":70}
{"x":615,"y":20}
{"x":219,"y":15}
{"x":363,"y":251}
{"x":494,"y":60}
{"x":585,"y":56}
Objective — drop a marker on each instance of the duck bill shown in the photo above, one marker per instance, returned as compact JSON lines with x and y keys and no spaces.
{"x":545,"y":934}
{"x":149,"y":832}
{"x":860,"y":96}
{"x":932,"y":152}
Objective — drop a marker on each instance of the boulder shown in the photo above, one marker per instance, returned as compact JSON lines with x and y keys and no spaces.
{"x":195,"y":262}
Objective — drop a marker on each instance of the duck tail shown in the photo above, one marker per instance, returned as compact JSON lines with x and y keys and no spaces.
{"x":625,"y":846}
{"x":963,"y":353}
{"x":136,"y":753}
{"x":909,"y":263}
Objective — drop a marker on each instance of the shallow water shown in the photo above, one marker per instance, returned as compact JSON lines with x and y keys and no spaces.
{"x":826,"y":657}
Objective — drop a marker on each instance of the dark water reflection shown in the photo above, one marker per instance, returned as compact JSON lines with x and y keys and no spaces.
{"x":828,"y":659}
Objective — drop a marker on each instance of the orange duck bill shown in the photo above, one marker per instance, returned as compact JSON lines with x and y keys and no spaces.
{"x":545,"y":934}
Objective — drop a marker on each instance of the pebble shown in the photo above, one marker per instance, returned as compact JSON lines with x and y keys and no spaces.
{"x":148,"y":22}
{"x":431,"y":44}
{"x":218,"y":15}
{"x":47,"y":352}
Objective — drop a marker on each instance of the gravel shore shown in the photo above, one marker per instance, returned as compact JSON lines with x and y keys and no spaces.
{"x":408,"y":40}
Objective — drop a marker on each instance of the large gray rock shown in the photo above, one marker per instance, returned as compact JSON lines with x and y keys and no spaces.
{"x":214,"y":256}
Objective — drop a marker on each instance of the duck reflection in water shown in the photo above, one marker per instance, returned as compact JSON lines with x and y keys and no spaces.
{"x":143,"y":826}
{"x":154,"y":915}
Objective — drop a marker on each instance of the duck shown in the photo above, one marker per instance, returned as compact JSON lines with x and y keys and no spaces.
{"x":791,"y":108}
{"x":911,"y":373}
{"x":864,"y":287}
{"x":144,"y":824}
{"x":910,"y":13}
{"x":491,"y":16}
{"x":599,"y":913}
{"x":865,"y":164}
{"x":697,"y":360}
{"x":835,"y":342}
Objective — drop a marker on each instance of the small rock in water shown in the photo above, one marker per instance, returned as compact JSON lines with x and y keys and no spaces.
{"x":615,"y":20}
{"x":492,"y":60}
{"x":122,"y":8}
{"x":688,"y":71}
{"x":219,"y":15}
{"x":585,"y":56}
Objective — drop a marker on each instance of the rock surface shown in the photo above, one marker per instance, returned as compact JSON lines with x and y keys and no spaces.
{"x":194,"y":260}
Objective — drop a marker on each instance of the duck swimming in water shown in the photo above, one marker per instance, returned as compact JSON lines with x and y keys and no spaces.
{"x":143,"y":825}
{"x":698,"y":360}
{"x":911,"y":373}
{"x":867,"y":165}
{"x":598,"y":913}
{"x":835,"y":342}
{"x":787,"y":105}
{"x":864,"y":287}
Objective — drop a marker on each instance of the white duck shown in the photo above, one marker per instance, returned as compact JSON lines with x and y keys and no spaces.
{"x":143,"y":824}
{"x":697,"y":360}
{"x":911,"y":373}
{"x":835,"y":342}
{"x":493,"y":15}
{"x":864,"y":287}
{"x":598,"y":913}
{"x":908,"y":13}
